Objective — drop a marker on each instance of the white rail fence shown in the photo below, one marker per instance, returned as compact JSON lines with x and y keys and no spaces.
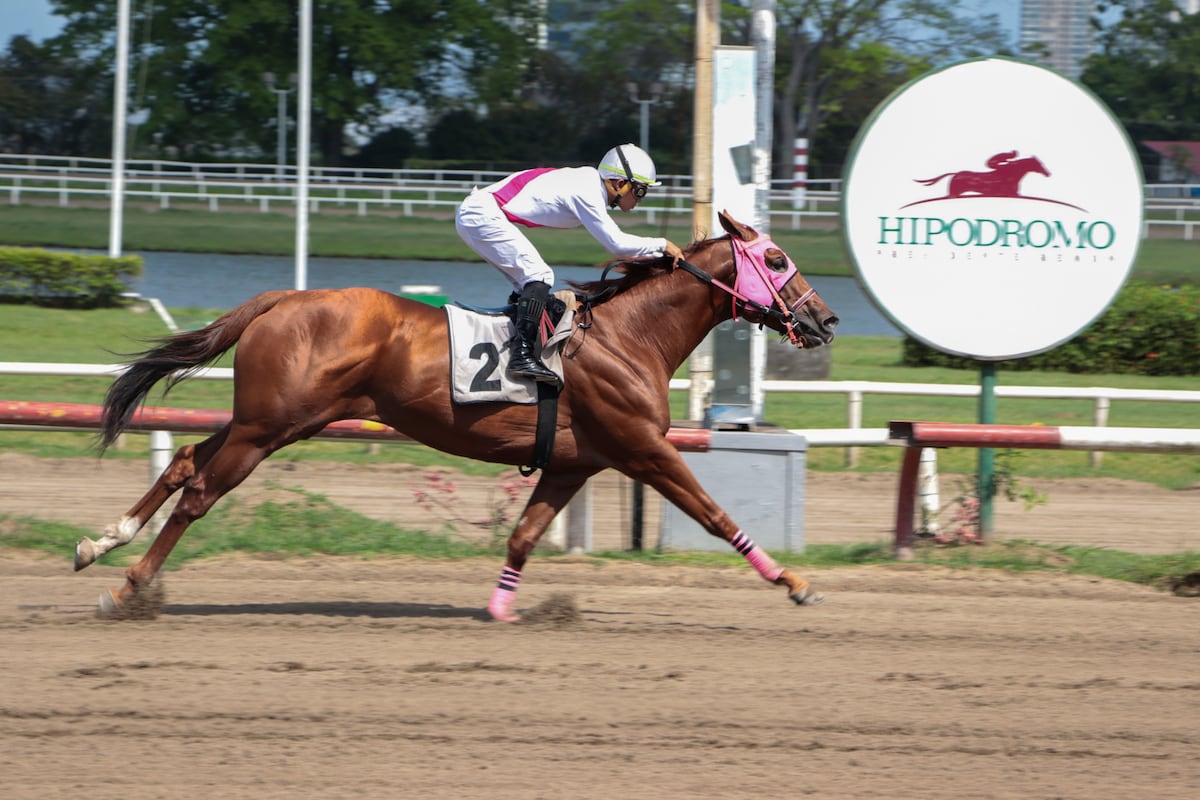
{"x":1174,"y":209}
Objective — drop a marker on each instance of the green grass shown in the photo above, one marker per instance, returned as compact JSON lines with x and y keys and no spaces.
{"x":310,"y":526}
{"x":432,"y":237}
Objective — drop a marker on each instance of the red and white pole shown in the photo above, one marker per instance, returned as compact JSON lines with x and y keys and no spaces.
{"x":800,"y":174}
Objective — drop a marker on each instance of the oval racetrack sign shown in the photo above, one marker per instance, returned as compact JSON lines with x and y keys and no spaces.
{"x":992,"y":209}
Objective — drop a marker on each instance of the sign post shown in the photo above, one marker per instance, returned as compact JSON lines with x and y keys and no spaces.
{"x":992,"y":210}
{"x":738,"y":349}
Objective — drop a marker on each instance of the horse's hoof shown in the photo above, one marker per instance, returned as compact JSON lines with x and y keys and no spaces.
{"x":504,"y":616}
{"x":108,"y":607}
{"x":807,"y":597}
{"x":85,"y":553}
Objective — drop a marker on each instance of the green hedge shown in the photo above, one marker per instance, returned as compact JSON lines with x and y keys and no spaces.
{"x":64,"y":280}
{"x":1148,"y":330}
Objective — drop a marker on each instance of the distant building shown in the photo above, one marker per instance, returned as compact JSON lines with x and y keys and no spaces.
{"x":1058,"y":33}
{"x":1179,"y":162}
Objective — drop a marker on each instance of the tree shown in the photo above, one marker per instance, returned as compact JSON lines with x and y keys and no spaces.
{"x":1148,"y":69}
{"x":50,"y":102}
{"x":198,"y":66}
{"x":831,"y":52}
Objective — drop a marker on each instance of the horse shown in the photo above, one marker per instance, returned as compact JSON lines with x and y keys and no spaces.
{"x":1003,"y":181}
{"x":307,"y":358}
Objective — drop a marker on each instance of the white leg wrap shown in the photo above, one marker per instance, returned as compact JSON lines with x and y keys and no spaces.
{"x":123,"y":532}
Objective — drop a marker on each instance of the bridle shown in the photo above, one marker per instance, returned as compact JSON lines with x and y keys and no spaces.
{"x":779,"y":309}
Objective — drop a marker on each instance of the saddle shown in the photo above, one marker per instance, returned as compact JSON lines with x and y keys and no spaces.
{"x":480,"y":347}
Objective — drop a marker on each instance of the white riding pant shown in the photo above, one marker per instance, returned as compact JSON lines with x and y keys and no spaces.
{"x":499,"y":242}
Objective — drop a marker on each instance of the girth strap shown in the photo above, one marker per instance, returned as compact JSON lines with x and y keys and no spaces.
{"x":543,"y":442}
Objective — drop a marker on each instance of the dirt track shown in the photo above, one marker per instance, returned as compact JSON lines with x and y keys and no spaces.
{"x":336,"y":678}
{"x":340,"y":679}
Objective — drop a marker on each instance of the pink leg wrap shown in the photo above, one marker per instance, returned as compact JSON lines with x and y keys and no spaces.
{"x":500,"y":606}
{"x":757,"y":557}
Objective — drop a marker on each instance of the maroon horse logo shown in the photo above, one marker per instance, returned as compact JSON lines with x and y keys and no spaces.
{"x":1004,"y":180}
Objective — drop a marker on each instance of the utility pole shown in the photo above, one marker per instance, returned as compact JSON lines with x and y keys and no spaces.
{"x":655,"y":93}
{"x":708,"y":36}
{"x":281,"y":117}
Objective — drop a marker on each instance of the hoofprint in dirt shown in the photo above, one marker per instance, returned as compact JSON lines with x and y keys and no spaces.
{"x":1123,"y":515}
{"x":339,"y":678}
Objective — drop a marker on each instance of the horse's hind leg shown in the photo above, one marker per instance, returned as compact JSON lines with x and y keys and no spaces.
{"x":183,"y":466}
{"x":227,"y":468}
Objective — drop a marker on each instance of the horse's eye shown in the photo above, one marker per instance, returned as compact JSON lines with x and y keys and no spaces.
{"x":776,"y":261}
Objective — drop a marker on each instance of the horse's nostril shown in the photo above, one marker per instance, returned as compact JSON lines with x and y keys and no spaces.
{"x":831,"y":322}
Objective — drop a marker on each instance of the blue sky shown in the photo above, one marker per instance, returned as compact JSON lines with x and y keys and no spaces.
{"x":33,"y":17}
{"x":30,"y":17}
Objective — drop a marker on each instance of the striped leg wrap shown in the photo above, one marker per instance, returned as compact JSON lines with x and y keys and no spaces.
{"x":510,"y":579}
{"x":757,"y":557}
{"x":500,"y":605}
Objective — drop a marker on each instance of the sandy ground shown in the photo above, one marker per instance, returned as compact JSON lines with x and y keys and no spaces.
{"x":335,"y":678}
{"x":338,"y":678}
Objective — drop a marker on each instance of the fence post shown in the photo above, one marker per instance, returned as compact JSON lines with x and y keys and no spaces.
{"x":1100,"y":420}
{"x":927,"y":490}
{"x":579,"y":521}
{"x":854,"y":422}
{"x":161,"y":450}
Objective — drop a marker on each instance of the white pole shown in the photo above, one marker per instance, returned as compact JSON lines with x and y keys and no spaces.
{"x":162,"y":450}
{"x":762,"y":36}
{"x":303,"y":114}
{"x":927,"y":490}
{"x":117,"y":196}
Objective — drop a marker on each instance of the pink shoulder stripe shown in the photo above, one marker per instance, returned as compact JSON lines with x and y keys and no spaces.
{"x":511,"y":189}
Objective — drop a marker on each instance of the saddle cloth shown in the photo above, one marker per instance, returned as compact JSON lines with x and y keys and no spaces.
{"x":481,"y":347}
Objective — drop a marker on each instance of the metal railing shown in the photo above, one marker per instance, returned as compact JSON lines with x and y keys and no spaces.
{"x":1173,"y":209}
{"x":852,"y":437}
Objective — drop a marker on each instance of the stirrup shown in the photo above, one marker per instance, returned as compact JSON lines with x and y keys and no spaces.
{"x":532,"y":368}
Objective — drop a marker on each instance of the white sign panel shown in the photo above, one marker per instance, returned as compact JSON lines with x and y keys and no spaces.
{"x":992,"y":209}
{"x":734,"y":131}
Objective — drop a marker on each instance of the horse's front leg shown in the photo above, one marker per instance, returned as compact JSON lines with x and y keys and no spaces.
{"x":549,"y":497}
{"x":666,"y":471}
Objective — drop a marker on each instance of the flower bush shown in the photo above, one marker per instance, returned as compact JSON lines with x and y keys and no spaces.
{"x":440,"y":496}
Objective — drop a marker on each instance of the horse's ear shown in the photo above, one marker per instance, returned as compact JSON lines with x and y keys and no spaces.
{"x":735,"y":228}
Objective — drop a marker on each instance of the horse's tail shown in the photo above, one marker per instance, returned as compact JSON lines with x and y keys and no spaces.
{"x":177,"y":356}
{"x":932,"y":181}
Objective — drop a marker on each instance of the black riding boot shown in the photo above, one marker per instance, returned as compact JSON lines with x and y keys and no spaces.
{"x":524,"y":363}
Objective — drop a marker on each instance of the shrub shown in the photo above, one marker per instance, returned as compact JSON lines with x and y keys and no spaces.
{"x":1147,"y":330}
{"x":65,"y":280}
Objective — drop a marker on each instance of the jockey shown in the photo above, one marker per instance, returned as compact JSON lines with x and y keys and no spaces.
{"x":562,"y":197}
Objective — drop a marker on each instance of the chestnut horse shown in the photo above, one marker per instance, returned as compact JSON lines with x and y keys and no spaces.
{"x":308,"y":358}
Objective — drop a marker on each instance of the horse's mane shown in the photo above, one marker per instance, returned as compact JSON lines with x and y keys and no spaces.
{"x":632,"y":272}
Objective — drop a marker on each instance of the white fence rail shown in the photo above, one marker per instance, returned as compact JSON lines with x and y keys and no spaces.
{"x":1172,"y":208}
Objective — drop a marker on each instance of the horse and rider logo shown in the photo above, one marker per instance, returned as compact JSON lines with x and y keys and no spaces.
{"x":1004,"y":180}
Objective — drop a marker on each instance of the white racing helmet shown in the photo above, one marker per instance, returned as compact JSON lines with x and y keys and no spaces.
{"x":628,"y":162}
